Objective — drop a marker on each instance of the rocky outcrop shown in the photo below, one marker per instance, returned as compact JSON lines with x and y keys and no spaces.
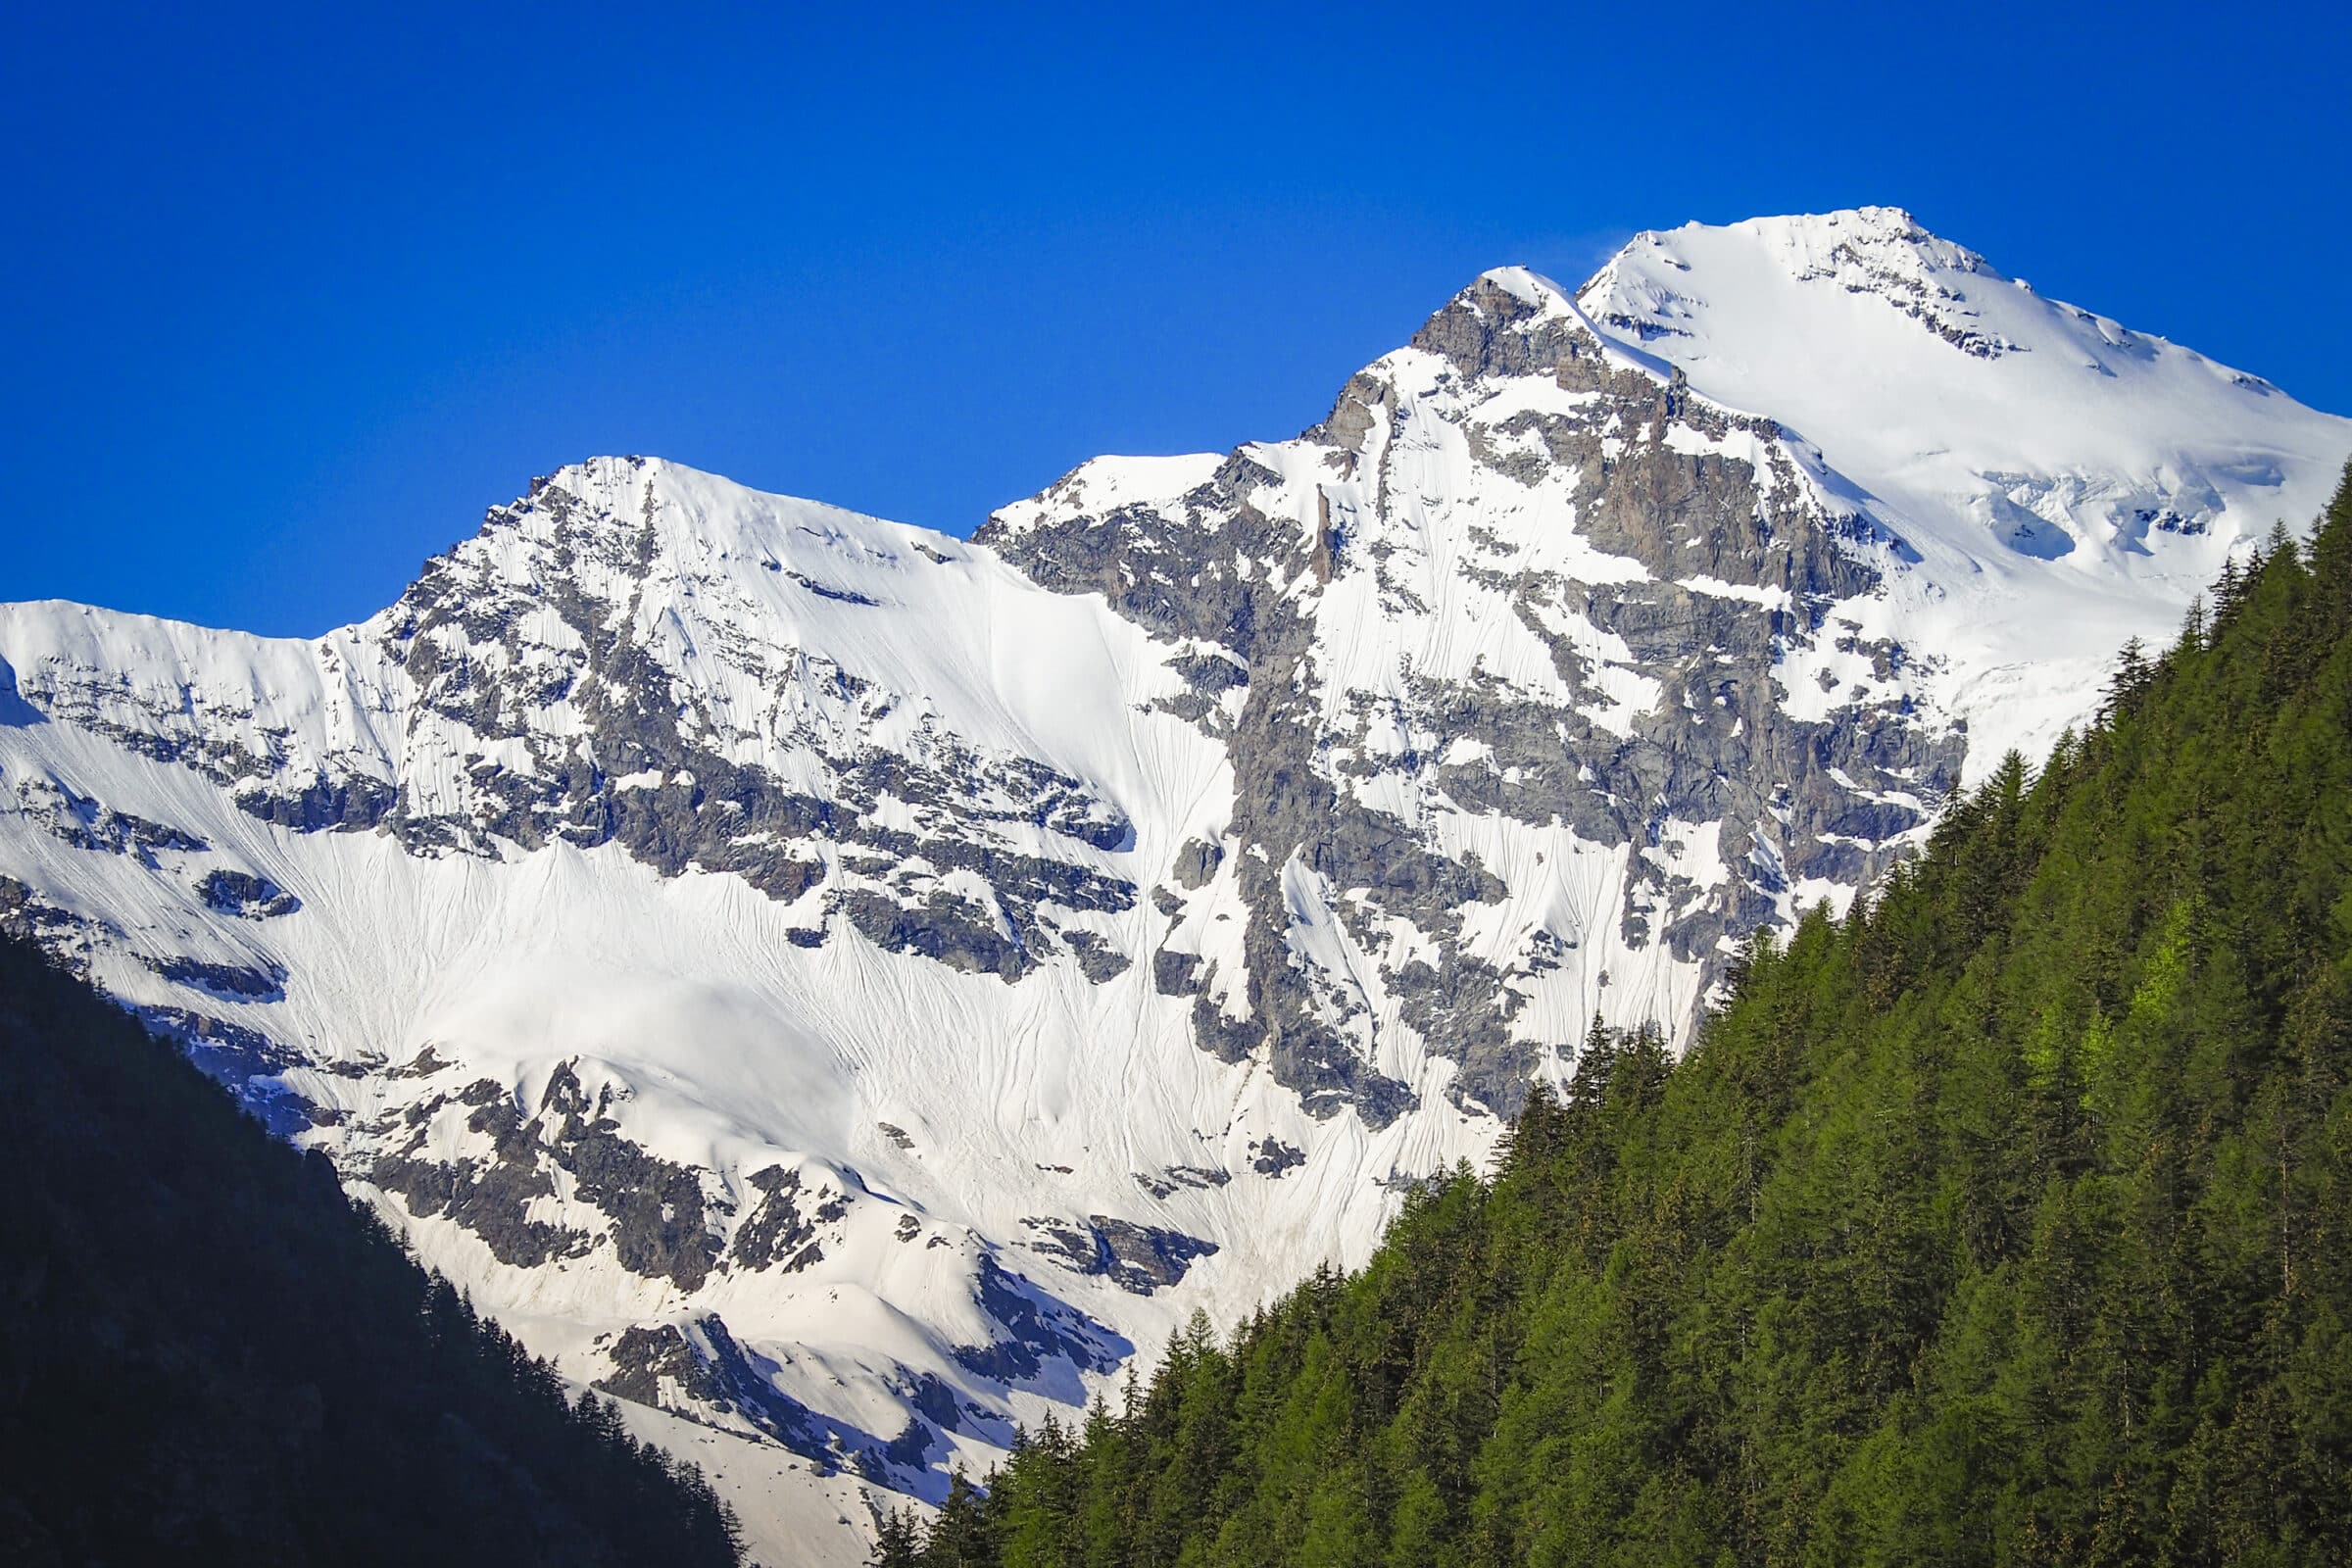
{"x":699,"y":1372}
{"x":87,"y":823}
{"x":779,"y":1234}
{"x":1663,"y":728}
{"x":542,"y":705}
{"x":244,"y":894}
{"x":1137,"y":1259}
{"x":230,"y":981}
{"x":657,"y":1219}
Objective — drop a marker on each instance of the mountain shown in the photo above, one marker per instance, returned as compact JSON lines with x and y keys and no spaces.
{"x":2055,"y":471}
{"x":845,"y":989}
{"x":207,"y":1356}
{"x":2001,"y":1221}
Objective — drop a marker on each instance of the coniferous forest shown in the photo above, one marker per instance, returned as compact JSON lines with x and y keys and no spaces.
{"x":2007,"y":1220}
{"x":207,"y":1355}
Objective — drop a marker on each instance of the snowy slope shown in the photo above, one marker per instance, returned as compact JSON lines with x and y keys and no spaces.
{"x":2069,"y":482}
{"x":846,"y":989}
{"x":310,"y":857}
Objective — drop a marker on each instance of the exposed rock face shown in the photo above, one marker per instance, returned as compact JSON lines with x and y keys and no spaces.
{"x":246,"y":896}
{"x":778,"y":1234}
{"x":1138,"y":1258}
{"x":1643,"y":708}
{"x":660,"y":1219}
{"x":1272,"y":1156}
{"x":1197,"y":862}
{"x":492,"y":1194}
{"x":699,"y":1372}
{"x":88,"y":823}
{"x":28,"y":916}
{"x":547,"y":694}
{"x":1176,"y":1178}
{"x":490,"y":654}
{"x":226,"y":980}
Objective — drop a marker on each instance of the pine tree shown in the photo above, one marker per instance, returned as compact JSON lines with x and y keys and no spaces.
{"x":2130,"y":679}
{"x":898,"y":1544}
{"x":964,"y":1534}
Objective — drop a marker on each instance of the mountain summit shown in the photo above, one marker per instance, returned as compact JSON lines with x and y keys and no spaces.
{"x":846,"y":987}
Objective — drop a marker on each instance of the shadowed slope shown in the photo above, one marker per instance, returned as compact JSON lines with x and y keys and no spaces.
{"x":207,"y":1354}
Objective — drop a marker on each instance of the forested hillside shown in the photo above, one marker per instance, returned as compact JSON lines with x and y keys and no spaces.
{"x":207,"y":1355}
{"x":2005,"y":1221}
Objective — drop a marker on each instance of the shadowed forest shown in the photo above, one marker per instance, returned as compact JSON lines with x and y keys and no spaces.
{"x":207,"y":1354}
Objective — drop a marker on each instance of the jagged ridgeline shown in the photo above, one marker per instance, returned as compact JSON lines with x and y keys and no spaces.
{"x":207,"y":1355}
{"x":2004,"y":1221}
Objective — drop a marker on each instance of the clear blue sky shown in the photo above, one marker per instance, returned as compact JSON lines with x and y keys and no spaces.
{"x":294,"y":294}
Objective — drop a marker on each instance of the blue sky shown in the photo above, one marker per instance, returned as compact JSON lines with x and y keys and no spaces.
{"x":293,"y":295}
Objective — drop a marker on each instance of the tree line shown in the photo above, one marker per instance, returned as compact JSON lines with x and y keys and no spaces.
{"x":2001,"y":1221}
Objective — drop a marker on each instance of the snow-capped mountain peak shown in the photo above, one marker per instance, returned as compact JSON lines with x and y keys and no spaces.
{"x":845,"y":988}
{"x":2053,"y":469}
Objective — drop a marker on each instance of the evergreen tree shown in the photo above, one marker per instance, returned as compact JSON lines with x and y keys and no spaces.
{"x":898,"y":1541}
{"x":963,"y":1536}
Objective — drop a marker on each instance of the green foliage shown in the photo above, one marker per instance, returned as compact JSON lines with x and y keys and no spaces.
{"x":2002,"y":1222}
{"x":207,"y":1355}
